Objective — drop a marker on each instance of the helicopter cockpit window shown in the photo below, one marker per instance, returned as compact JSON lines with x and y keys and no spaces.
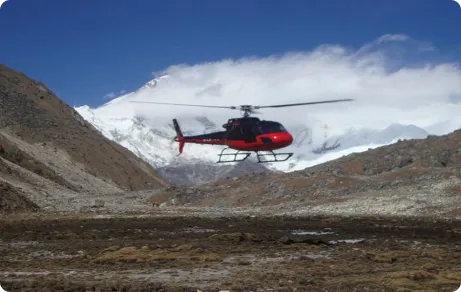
{"x":269,"y":127}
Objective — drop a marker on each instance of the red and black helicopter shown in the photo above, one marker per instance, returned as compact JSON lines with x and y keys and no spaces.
{"x":247,"y":134}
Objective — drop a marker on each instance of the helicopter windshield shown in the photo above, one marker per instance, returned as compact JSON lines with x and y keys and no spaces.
{"x":266,"y":127}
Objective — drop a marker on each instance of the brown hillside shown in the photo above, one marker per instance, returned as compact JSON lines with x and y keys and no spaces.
{"x":45,"y":144}
{"x":409,"y":177}
{"x":13,"y":200}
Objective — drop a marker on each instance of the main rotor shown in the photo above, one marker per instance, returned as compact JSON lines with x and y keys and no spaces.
{"x":247,"y":110}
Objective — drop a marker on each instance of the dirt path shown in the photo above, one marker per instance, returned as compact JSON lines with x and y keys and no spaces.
{"x":236,"y":254}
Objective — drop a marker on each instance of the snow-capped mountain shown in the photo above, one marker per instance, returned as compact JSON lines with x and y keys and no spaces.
{"x":363,"y":136}
{"x":149,"y":139}
{"x":148,"y":132}
{"x":354,"y":140}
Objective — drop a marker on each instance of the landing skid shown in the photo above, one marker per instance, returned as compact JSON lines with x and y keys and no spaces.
{"x":246,"y":154}
{"x":274,"y":155}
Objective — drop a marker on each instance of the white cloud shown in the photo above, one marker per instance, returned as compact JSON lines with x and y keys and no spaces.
{"x":392,"y":37}
{"x":110,"y":95}
{"x":386,"y":82}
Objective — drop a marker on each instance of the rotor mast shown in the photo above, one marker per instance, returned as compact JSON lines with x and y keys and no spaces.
{"x":246,"y":110}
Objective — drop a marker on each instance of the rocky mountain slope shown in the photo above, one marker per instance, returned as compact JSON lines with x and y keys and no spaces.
{"x":419,"y":176}
{"x":49,"y":153}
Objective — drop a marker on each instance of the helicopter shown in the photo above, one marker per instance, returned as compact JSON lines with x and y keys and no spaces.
{"x":246,"y":134}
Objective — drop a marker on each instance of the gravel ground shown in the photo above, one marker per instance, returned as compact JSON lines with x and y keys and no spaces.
{"x":243,"y":253}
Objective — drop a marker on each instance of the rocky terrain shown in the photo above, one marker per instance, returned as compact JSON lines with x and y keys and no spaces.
{"x":49,"y":155}
{"x":235,"y":253}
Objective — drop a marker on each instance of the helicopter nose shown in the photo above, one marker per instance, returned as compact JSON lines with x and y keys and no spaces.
{"x":282,"y":139}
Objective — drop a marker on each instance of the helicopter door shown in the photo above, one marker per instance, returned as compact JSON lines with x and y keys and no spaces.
{"x":247,"y":134}
{"x":234,"y":133}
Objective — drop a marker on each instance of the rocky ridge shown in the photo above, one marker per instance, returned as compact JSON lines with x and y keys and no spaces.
{"x":410,"y":177}
{"x":49,"y":154}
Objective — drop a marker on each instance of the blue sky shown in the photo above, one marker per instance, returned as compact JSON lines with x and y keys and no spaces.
{"x":86,"y":49}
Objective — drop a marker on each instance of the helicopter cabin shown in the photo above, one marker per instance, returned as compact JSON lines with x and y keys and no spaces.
{"x":248,"y":128}
{"x":240,"y":121}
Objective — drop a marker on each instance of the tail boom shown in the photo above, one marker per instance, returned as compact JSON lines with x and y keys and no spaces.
{"x":217,"y":138}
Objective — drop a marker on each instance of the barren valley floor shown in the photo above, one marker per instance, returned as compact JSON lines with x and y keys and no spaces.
{"x":247,"y":253}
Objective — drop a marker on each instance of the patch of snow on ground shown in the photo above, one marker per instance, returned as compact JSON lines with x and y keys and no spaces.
{"x":305,"y":232}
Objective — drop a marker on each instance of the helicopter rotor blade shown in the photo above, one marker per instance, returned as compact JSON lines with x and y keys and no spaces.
{"x":304,"y":103}
{"x":183,"y":104}
{"x":247,"y":109}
